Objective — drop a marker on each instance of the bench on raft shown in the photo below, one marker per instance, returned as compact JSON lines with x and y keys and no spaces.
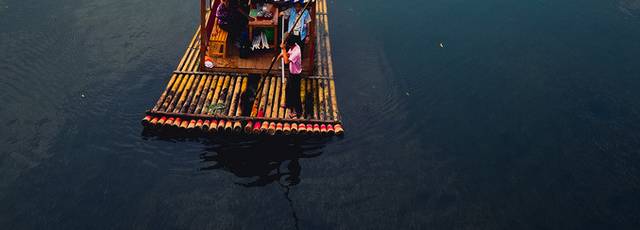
{"x":218,"y":42}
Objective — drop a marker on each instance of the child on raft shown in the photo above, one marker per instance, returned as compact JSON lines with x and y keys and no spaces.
{"x":292,"y":55}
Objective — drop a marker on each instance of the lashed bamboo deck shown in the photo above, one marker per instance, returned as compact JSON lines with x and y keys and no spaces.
{"x":186,"y":101}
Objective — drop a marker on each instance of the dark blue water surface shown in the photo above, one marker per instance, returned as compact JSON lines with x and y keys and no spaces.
{"x":527,"y":118}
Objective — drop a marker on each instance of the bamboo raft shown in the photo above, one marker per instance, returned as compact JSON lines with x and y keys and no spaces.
{"x":225,"y":102}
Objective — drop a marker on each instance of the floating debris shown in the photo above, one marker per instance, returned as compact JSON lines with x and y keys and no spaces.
{"x":441,"y":45}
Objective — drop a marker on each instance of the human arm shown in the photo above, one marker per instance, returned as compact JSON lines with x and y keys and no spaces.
{"x":284,"y":54}
{"x":244,"y":13}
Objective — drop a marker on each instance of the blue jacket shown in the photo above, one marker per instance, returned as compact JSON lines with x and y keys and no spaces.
{"x":293,"y":15}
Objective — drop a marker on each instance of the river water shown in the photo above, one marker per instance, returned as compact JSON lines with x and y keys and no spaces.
{"x":527,"y":117}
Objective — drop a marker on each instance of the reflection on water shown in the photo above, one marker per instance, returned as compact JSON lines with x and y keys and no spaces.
{"x":263,"y":162}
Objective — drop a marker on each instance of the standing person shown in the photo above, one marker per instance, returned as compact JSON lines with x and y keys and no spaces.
{"x":233,"y":17}
{"x":242,"y":17}
{"x":292,"y":55}
{"x":300,"y":33}
{"x":224,"y":16}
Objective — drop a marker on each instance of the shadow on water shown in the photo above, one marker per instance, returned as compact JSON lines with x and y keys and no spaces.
{"x":264,"y":162}
{"x":258,"y":160}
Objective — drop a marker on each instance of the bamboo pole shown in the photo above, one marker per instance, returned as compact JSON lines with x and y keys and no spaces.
{"x":286,"y":127}
{"x":228,"y":95}
{"x":146,"y":120}
{"x":221,"y":124}
{"x":176,"y":122}
{"x":303,"y":94}
{"x":263,"y":99}
{"x":256,"y":100}
{"x":199,"y":124}
{"x":261,"y":105}
{"x":196,"y":97}
{"x":302,"y":128}
{"x":243,"y":91}
{"x":273,"y":113}
{"x":184,"y":124}
{"x":334,"y":104}
{"x":234,"y":98}
{"x":283,"y":100}
{"x":188,"y":51}
{"x":222,"y":93}
{"x":185,"y":105}
{"x":201,"y":100}
{"x":228,"y":127}
{"x":294,"y":128}
{"x":192,"y":124}
{"x":179,"y":93}
{"x":182,"y":65}
{"x":169,"y":122}
{"x":254,"y":109}
{"x":232,"y":102}
{"x":162,"y":120}
{"x":321,"y":111}
{"x":330,"y":129}
{"x":153,"y":121}
{"x":171,"y":94}
{"x":192,"y":62}
{"x":164,"y":94}
{"x":338,"y":129}
{"x":175,"y":90}
{"x":270,"y":97}
{"x":185,"y":94}
{"x":314,"y":92}
{"x":237,"y":127}
{"x":212,"y":88}
{"x":265,"y":124}
{"x":327,"y":100}
{"x":205,"y":94}
{"x":213,"y":126}
{"x":216,"y":94}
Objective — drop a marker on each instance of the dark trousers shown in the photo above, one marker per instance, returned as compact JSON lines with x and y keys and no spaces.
{"x":293,"y":93}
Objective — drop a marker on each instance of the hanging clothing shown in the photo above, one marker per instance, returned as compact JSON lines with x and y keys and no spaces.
{"x":301,"y":28}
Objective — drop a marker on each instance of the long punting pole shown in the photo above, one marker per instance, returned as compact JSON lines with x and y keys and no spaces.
{"x":282,"y":60}
{"x":203,"y":37}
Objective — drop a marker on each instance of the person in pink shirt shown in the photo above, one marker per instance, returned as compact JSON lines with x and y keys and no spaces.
{"x":292,"y":55}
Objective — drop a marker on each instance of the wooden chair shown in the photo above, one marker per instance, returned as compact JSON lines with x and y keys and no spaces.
{"x":218,"y":42}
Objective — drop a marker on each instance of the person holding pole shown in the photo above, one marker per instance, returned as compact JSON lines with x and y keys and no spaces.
{"x":293,"y":58}
{"x":292,"y":55}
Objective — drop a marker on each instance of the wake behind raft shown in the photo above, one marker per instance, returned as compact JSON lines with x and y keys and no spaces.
{"x":220,"y":88}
